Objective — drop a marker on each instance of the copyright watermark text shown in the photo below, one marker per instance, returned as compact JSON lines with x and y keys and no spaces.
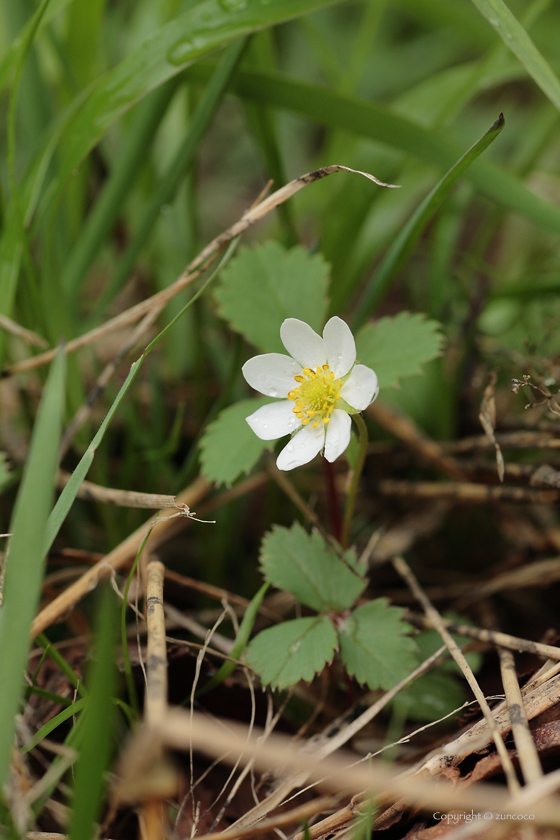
{"x":471,"y":816}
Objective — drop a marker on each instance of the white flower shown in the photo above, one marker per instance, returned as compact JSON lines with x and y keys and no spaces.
{"x":319,"y":386}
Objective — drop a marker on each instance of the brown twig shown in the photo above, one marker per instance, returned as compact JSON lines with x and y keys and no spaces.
{"x":122,"y":498}
{"x":408,"y":576}
{"x":526,"y":749}
{"x":467,"y":492}
{"x":493,"y":637}
{"x":405,"y":429}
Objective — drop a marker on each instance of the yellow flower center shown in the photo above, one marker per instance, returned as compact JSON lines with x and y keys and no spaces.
{"x":316,"y":395}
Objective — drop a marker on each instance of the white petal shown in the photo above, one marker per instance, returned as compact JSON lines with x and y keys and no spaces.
{"x":361,"y":387}
{"x":338,"y":434}
{"x":273,"y":420}
{"x":303,"y":343}
{"x":272,"y":374}
{"x":339,"y":345}
{"x":302,"y":448}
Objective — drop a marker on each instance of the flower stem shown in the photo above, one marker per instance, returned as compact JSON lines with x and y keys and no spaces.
{"x":353,"y":490}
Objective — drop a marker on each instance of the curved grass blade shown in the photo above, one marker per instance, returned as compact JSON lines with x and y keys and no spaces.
{"x":381,"y":123}
{"x":204,"y":27}
{"x":241,"y":641}
{"x":517,"y":39}
{"x":404,"y":242}
{"x":53,"y":723}
{"x":24,"y":565}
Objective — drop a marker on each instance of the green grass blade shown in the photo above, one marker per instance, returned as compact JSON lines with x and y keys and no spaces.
{"x":241,"y":641}
{"x":24,"y":565}
{"x":54,"y":722}
{"x":70,"y":491}
{"x":519,"y":42}
{"x":13,"y":238}
{"x":180,"y":165}
{"x":109,"y":205}
{"x":381,"y":123}
{"x":408,"y":236}
{"x":97,"y":740}
{"x":9,"y":59}
{"x":197,"y":31}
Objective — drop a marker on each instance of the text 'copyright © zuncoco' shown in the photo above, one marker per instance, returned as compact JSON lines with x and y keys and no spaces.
{"x":471,"y":816}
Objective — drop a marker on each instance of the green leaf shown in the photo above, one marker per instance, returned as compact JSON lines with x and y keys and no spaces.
{"x":292,"y":651}
{"x":518,"y":41}
{"x":25,"y":561}
{"x":374,"y":647}
{"x":430,"y":697}
{"x":398,"y":346}
{"x":267,"y":284}
{"x":307,"y":567}
{"x":438,"y":693}
{"x":229,"y":447}
{"x":404,"y":242}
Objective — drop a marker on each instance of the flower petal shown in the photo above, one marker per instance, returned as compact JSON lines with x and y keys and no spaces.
{"x":339,"y":345}
{"x":361,"y":387}
{"x":338,"y":434}
{"x":272,"y":374}
{"x":303,"y":343}
{"x":273,"y":420}
{"x":302,"y":448}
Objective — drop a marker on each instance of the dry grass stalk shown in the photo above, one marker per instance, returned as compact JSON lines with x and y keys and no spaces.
{"x":494,"y":637}
{"x":464,"y":491}
{"x":296,"y":815}
{"x":526,"y":750}
{"x":27,"y":335}
{"x":407,"y":575}
{"x":487,"y":417}
{"x":122,"y":498}
{"x":405,"y":429}
{"x":185,"y":731}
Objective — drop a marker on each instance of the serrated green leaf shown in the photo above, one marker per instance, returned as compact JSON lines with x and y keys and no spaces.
{"x":265,"y":285}
{"x":307,"y":567}
{"x":374,"y":647}
{"x":229,"y":447}
{"x":398,"y":346}
{"x":292,"y":651}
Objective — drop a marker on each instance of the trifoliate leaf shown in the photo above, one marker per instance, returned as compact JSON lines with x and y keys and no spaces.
{"x":292,"y":651}
{"x":398,"y":346}
{"x":229,"y":447}
{"x":264,"y":285}
{"x":307,"y":567}
{"x":374,"y":647}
